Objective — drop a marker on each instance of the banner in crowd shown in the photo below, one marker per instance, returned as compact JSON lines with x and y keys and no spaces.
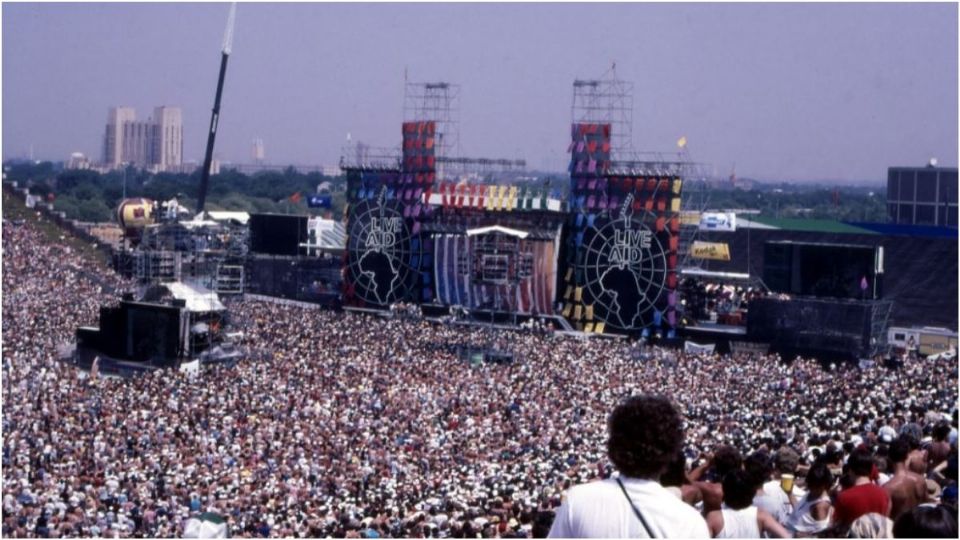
{"x":718,"y":221}
{"x":696,"y":348}
{"x":710,"y":250}
{"x":749,"y":347}
{"x":522,"y":281}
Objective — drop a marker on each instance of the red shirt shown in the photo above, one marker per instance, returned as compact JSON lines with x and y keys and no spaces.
{"x":859,"y":500}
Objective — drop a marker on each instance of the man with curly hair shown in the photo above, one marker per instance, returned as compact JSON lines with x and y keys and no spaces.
{"x":645,"y":434}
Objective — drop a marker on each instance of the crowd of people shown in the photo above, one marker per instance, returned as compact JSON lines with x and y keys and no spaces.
{"x":355,"y":425}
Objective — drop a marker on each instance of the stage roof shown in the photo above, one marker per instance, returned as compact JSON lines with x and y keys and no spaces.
{"x":811,"y":225}
{"x":199,"y":299}
{"x":896,"y":229}
{"x":498,"y":229}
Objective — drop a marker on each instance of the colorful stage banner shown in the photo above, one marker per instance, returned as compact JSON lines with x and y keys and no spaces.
{"x":523,"y":280}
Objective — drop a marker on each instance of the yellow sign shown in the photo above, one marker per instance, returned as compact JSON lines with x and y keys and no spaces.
{"x":710,"y":250}
{"x":690,"y":218}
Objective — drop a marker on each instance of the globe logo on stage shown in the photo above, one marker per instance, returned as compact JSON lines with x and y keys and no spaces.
{"x":625,"y":269}
{"x":379,"y":252}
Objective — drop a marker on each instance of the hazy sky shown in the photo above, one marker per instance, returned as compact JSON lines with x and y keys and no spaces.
{"x":785,"y":91}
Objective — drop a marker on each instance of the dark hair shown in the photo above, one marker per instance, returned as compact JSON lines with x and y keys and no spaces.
{"x":899,"y":449}
{"x":738,"y":489}
{"x":676,"y":472}
{"x":941,"y":431}
{"x":758,"y":467}
{"x":861,"y":462}
{"x":645,"y":435}
{"x":819,"y":476}
{"x":726,"y":460}
{"x":542,"y":523}
{"x":926,"y":522}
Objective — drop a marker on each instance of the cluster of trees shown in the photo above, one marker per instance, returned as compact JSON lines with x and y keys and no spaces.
{"x":90,"y":196}
{"x":812,"y":201}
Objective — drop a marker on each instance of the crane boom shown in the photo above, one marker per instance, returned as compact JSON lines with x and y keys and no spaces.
{"x":215,"y":117}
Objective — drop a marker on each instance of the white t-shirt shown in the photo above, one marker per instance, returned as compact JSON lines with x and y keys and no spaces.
{"x":776,"y":502}
{"x":600,"y":510}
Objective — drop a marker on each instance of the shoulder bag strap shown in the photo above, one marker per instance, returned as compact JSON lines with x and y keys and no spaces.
{"x":636,"y":510}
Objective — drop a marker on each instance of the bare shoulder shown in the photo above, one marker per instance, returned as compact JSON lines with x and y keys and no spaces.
{"x":715,"y":522}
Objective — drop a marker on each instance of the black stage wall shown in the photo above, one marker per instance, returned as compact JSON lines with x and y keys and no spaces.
{"x":920,"y":273}
{"x":305,"y":279}
{"x":810,"y":324}
{"x":277,"y":234}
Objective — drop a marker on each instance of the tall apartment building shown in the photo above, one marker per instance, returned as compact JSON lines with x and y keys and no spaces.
{"x":113,"y":147}
{"x":156,"y":143}
{"x":922,"y":195}
{"x":167,"y":141}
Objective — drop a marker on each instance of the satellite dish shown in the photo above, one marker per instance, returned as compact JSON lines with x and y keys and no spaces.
{"x":933,"y":162}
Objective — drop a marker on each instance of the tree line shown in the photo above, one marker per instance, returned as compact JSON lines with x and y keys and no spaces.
{"x":91,"y":196}
{"x":87,"y":195}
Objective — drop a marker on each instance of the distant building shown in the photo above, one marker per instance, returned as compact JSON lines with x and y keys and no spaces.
{"x":113,"y":140}
{"x":922,"y":195}
{"x":166,"y":141}
{"x":155,"y":144}
{"x":78,"y":161}
{"x":258,"y":152}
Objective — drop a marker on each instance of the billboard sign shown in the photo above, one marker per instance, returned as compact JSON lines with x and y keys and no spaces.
{"x":714,"y":251}
{"x":718,"y":221}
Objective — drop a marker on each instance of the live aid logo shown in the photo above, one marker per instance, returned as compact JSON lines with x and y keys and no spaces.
{"x":628,"y":246}
{"x":383,"y":233}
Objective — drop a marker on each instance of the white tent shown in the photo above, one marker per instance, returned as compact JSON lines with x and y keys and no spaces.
{"x":219,"y":215}
{"x":199,"y":299}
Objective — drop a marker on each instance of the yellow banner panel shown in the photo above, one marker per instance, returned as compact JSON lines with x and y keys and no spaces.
{"x":690,"y":218}
{"x":715,"y":251}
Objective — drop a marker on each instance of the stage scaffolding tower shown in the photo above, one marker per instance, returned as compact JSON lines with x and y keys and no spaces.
{"x":696,"y":198}
{"x":438,"y":102}
{"x":607,"y":100}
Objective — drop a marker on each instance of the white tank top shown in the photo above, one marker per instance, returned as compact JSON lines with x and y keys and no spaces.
{"x":739,"y":523}
{"x":802,"y":521}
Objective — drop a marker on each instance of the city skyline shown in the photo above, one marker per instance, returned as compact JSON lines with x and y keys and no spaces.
{"x":784,"y":91}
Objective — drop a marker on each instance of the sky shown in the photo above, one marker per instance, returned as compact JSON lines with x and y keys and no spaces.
{"x":778,"y":91}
